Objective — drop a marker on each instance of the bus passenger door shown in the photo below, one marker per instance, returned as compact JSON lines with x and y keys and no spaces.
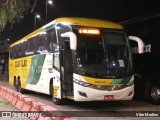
{"x":56,"y":72}
{"x":66,"y":59}
{"x":68,"y":70}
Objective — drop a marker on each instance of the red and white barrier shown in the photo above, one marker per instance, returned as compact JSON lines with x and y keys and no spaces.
{"x":20,"y":101}
{"x":1,"y":91}
{"x":11,"y":95}
{"x":15,"y":98}
{"x":27,"y":104}
{"x":4,"y":92}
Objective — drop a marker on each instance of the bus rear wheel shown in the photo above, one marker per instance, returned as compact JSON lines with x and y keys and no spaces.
{"x":155,"y":94}
{"x":18,"y":88}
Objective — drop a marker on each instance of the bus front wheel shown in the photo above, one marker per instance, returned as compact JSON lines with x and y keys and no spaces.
{"x":56,"y":101}
{"x":155,"y":94}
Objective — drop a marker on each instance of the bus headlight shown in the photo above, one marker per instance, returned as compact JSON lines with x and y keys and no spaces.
{"x":115,"y":87}
{"x":109,"y":87}
{"x":85,"y":84}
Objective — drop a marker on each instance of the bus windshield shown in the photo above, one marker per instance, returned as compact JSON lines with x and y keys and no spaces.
{"x":106,"y":55}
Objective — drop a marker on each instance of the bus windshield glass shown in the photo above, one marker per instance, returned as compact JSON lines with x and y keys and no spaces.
{"x":104,"y":55}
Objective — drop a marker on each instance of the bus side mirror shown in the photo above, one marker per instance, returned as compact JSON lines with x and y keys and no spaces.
{"x":73,"y":39}
{"x":140,"y":43}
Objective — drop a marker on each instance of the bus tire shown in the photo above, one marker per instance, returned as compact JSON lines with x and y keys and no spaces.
{"x":18,"y":86}
{"x":148,"y":87}
{"x":15,"y":83}
{"x":55,"y":100}
{"x":155,"y":94}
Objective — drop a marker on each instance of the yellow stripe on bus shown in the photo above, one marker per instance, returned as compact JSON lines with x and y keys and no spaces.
{"x":97,"y":81}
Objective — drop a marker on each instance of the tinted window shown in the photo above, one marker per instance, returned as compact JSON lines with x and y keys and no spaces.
{"x":42,"y":43}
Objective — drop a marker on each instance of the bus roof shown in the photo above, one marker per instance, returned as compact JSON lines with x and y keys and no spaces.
{"x":76,"y":21}
{"x":89,"y":22}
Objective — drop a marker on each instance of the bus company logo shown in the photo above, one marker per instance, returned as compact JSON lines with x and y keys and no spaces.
{"x":22,"y":63}
{"x":147,"y":49}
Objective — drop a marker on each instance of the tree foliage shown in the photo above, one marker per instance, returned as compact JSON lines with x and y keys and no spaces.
{"x":12,"y":11}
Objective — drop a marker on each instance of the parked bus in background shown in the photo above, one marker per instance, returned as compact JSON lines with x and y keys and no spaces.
{"x":146,"y":65}
{"x":76,"y":58}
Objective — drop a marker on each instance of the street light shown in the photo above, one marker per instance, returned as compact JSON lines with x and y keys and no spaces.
{"x":50,"y":2}
{"x":37,"y":16}
{"x":8,"y":39}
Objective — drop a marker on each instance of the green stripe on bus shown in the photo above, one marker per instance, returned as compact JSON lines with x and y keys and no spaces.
{"x":121,"y":81}
{"x":47,"y":28}
{"x":35,"y":69}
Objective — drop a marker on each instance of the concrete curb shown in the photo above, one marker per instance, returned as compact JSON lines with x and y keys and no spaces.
{"x":26,"y":104}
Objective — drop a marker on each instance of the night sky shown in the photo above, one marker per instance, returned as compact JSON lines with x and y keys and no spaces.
{"x":112,"y":10}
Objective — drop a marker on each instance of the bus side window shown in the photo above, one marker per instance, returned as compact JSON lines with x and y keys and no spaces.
{"x":56,"y":61}
{"x":22,"y":49}
{"x":17,"y":51}
{"x":56,"y":57}
{"x":13,"y":52}
{"x":51,"y":47}
{"x":51,"y":38}
{"x":42,"y":49}
{"x":28,"y":49}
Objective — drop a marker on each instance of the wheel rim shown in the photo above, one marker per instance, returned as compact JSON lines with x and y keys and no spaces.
{"x":155,"y":93}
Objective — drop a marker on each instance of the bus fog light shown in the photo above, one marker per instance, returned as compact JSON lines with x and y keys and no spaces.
{"x":130,"y":93}
{"x":82,"y":94}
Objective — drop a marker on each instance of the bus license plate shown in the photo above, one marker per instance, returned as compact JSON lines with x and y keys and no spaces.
{"x":109,"y":97}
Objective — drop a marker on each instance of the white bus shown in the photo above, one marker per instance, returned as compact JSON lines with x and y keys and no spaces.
{"x":76,"y":58}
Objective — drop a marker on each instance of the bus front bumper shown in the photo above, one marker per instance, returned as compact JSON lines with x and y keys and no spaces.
{"x":82,"y":93}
